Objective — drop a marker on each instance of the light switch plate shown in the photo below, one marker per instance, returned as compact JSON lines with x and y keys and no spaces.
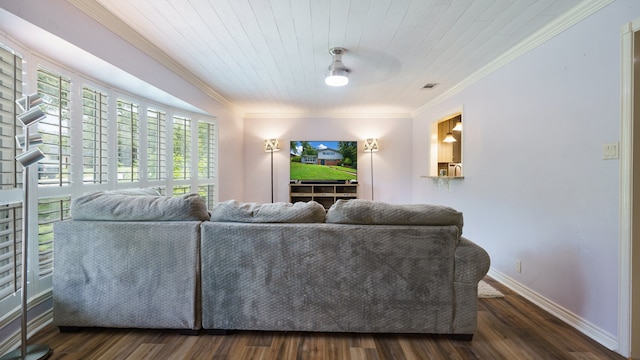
{"x":610,"y":151}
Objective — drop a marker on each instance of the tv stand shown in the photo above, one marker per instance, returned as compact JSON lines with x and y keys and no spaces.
{"x":323,"y":193}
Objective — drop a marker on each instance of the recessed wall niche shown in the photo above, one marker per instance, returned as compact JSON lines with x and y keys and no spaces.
{"x":446,"y":147}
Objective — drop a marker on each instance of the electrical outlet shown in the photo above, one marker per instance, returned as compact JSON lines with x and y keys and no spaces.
{"x":519,"y":266}
{"x":610,"y":151}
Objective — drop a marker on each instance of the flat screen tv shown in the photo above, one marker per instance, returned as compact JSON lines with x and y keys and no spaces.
{"x":323,"y":161}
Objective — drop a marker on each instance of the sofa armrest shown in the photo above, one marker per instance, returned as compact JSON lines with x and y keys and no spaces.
{"x":472,"y":262}
{"x":471,"y":265}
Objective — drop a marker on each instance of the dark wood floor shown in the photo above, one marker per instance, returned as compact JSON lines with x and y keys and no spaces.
{"x":510,"y":328}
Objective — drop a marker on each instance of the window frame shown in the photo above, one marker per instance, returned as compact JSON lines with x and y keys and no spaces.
{"x":39,"y":288}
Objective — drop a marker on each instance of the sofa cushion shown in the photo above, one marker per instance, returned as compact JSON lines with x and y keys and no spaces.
{"x":281,"y":212}
{"x":122,"y":207}
{"x":358,"y":211}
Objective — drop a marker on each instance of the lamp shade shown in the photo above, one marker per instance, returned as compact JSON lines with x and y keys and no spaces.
{"x":371,"y":145}
{"x":32,"y":116}
{"x":30,"y":157}
{"x":458,"y":126}
{"x":271,"y":145}
{"x":34,"y":139}
{"x":29,"y":101}
{"x":449,"y":138}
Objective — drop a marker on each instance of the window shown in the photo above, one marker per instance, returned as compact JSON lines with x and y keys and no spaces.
{"x":206,"y":150}
{"x":94,"y":136}
{"x":55,"y":90}
{"x":50,"y":211}
{"x":206,"y":160}
{"x":156,"y":145}
{"x":181,"y":190}
{"x":11,"y":71}
{"x":10,"y":249}
{"x":181,"y":148}
{"x":10,"y":90}
{"x":128,"y":142}
{"x":207,"y":193}
{"x":106,"y":137}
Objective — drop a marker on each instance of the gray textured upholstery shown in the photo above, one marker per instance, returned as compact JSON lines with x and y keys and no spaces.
{"x":236,"y":211}
{"x":359,"y":211}
{"x":126,"y":274}
{"x":338,"y":277}
{"x":118,"y":206}
{"x":254,"y":272}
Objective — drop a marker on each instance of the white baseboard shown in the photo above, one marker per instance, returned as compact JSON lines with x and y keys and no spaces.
{"x":35,"y":325}
{"x":573,"y":320}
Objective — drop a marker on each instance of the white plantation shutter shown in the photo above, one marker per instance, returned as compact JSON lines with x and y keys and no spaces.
{"x":156,"y":145}
{"x":10,"y":175}
{"x":105,"y":137}
{"x":10,"y":249}
{"x":10,"y":90}
{"x":181,"y":190}
{"x":181,"y":148}
{"x":206,"y":161}
{"x":50,"y":211}
{"x":55,"y":169}
{"x":128,"y":142}
{"x":206,"y":150}
{"x":94,"y":137}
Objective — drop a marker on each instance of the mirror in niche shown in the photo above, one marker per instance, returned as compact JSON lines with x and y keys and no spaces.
{"x":446,"y":145}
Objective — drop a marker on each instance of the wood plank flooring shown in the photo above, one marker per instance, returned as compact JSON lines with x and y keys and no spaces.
{"x":510,"y":328}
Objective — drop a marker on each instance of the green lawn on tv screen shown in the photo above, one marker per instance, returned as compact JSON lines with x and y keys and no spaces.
{"x":301,"y":171}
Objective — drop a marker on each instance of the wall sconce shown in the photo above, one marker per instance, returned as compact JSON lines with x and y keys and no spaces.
{"x":371,"y":146}
{"x":271,"y":145}
{"x":27,"y":158}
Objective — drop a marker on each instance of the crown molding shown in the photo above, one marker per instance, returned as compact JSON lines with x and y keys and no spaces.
{"x":327,"y":116}
{"x":574,"y":15}
{"x":97,"y":12}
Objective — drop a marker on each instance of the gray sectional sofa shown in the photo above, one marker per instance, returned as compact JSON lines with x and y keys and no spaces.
{"x":362,"y":266}
{"x":129,"y":259}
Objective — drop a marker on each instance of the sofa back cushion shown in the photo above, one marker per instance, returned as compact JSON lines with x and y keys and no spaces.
{"x":359,"y":211}
{"x":281,"y":212}
{"x":128,"y":207}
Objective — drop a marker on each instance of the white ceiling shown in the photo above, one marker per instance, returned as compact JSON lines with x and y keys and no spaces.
{"x":270,"y":56}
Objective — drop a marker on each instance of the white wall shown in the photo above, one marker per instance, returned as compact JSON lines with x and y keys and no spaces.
{"x":536,"y":188}
{"x":391,"y":165}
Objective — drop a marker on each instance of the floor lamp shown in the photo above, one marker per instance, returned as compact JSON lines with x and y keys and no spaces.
{"x":371,"y":146}
{"x":271,"y":145}
{"x":31,"y":115}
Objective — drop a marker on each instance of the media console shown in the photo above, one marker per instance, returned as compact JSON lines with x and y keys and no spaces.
{"x":325,"y":193}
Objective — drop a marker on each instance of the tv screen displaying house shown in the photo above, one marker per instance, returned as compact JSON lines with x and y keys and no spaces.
{"x":323,"y":161}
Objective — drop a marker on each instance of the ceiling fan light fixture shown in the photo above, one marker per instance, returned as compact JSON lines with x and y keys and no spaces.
{"x":337,"y":74}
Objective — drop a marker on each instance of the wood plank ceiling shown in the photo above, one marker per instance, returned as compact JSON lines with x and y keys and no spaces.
{"x":270,"y":56}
